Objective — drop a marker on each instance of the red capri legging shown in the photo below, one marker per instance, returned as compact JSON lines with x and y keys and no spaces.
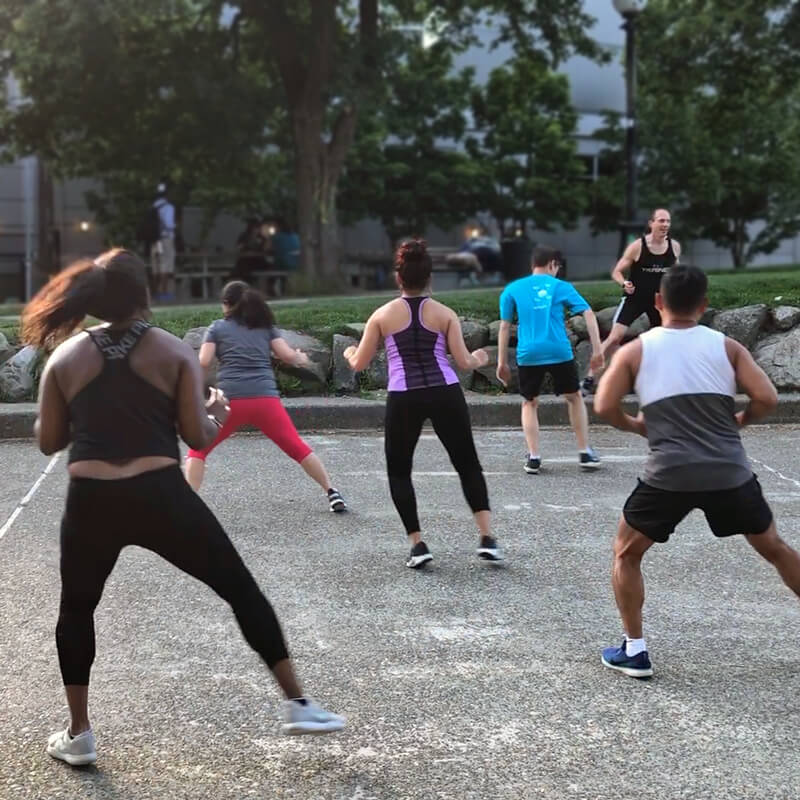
{"x":270,"y":417}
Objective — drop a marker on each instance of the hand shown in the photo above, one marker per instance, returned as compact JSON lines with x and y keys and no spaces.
{"x":503,"y":374}
{"x":628,"y":287}
{"x":597,"y":362}
{"x":301,"y":359}
{"x":741,"y":418}
{"x":638,"y":424}
{"x":481,"y":356}
{"x":217,"y":405}
{"x":349,"y":352}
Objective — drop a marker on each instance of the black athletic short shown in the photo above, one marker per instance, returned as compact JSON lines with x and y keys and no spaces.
{"x":565,"y":378}
{"x":634,"y":305}
{"x":656,"y":512}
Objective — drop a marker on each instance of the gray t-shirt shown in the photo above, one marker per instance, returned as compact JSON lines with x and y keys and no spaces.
{"x":245,"y":359}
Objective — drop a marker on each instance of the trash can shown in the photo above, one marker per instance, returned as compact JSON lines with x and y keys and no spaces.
{"x":517,"y":254}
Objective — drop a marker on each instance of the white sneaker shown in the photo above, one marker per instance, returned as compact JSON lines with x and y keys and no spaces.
{"x":75,"y":750}
{"x":309,"y":718}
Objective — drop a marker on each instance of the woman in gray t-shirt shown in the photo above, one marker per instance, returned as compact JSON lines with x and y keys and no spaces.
{"x":244,"y":341}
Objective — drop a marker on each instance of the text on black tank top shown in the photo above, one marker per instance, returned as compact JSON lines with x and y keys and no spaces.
{"x":648,"y":270}
{"x":119,"y":415}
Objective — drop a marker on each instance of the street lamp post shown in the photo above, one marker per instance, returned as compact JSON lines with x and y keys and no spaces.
{"x":630,"y":9}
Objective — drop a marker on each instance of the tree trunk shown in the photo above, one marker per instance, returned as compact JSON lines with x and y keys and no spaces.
{"x":307,"y":156}
{"x":737,"y":250}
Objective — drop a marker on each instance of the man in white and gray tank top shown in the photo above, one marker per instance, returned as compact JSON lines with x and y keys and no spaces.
{"x":685,"y":376}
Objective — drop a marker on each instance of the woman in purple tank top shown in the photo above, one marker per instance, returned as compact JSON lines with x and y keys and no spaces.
{"x":417,"y":332}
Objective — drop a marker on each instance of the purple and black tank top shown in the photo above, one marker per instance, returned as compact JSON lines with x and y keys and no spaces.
{"x":417,"y":356}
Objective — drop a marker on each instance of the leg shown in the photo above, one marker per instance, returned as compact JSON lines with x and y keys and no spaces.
{"x":626,"y":578}
{"x":578,"y":418}
{"x":530,"y":424}
{"x":402,"y":428}
{"x":195,"y":467}
{"x":614,"y":340}
{"x":784,"y":558}
{"x":451,"y":423}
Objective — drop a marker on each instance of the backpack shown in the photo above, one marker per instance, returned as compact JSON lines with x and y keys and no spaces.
{"x":149,"y":229}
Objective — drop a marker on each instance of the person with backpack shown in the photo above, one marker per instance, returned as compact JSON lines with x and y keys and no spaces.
{"x":157,"y":232}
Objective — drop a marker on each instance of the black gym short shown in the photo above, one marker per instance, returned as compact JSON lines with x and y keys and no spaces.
{"x":656,"y":512}
{"x":565,"y":378}
{"x":634,"y":305}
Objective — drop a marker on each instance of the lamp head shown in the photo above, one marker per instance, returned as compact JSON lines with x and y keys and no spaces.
{"x":629,"y":8}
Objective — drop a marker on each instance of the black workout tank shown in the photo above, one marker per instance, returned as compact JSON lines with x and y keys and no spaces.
{"x":647,"y":271}
{"x":119,"y":415}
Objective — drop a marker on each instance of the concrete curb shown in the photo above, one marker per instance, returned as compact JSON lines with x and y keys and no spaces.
{"x":353,"y":413}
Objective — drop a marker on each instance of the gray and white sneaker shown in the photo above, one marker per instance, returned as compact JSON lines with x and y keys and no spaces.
{"x":489,"y":550}
{"x":589,"y":459}
{"x":308,"y":718}
{"x":419,"y":556}
{"x":77,"y":751}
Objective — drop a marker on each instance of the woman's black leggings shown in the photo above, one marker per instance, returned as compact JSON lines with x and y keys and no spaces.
{"x":447,"y":410}
{"x":160,"y":511}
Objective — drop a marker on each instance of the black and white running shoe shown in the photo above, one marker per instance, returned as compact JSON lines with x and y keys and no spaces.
{"x":419,"y":556}
{"x":336,"y":501}
{"x":588,"y":386}
{"x":589,"y":459}
{"x":489,"y":550}
{"x":532,"y":465}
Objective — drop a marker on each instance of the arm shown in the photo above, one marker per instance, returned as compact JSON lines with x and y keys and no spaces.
{"x":503,"y":371}
{"x":753,"y":381}
{"x":283,"y":352}
{"x":597,"y":360}
{"x":617,"y":381}
{"x":208,"y":350}
{"x":359,"y":357}
{"x":194,"y":425}
{"x":632,"y":252}
{"x":458,"y":349}
{"x":676,"y":248}
{"x":51,"y":428}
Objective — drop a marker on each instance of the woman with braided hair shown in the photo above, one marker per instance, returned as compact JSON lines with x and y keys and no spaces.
{"x":417,"y":332}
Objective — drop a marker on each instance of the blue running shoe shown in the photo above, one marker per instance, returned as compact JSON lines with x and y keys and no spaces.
{"x":637,"y":666}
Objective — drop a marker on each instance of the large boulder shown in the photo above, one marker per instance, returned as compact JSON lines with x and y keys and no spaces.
{"x":194,"y":338}
{"x":708,"y":317}
{"x":345,"y":381}
{"x":784,"y":318}
{"x":377,"y":373}
{"x":742,"y":324}
{"x":354,"y":329}
{"x":583,"y":352}
{"x":637,"y":328}
{"x":6,"y":350}
{"x":476,"y":334}
{"x":494,"y":329}
{"x":17,"y":376}
{"x":605,"y":319}
{"x":489,"y":372}
{"x":576,"y":329}
{"x":466,"y":377}
{"x":315,"y":374}
{"x":779,"y":356}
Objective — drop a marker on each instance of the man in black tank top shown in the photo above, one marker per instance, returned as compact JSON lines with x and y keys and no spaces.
{"x":645,"y":260}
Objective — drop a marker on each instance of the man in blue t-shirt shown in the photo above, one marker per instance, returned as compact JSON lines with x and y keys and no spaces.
{"x":539,"y":302}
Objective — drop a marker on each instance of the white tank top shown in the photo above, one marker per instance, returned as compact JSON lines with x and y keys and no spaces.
{"x":686,"y":387}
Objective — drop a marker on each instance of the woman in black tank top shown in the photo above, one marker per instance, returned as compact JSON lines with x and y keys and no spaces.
{"x":119,"y":394}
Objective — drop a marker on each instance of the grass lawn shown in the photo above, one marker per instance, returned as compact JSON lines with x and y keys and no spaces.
{"x":325,"y":316}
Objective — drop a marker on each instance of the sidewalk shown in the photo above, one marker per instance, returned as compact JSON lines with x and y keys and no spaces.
{"x":354,"y":413}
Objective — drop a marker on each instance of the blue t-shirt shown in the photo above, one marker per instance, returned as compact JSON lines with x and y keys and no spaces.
{"x":539,"y":302}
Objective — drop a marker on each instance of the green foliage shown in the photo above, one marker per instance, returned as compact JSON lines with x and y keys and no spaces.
{"x":527,"y":141}
{"x":720,"y":121}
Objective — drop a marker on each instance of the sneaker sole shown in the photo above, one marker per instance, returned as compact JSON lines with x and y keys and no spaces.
{"x":489,"y":555}
{"x":338,"y":508}
{"x":311,"y":728}
{"x":72,"y":760}
{"x":417,"y":562}
{"x":590,"y":465}
{"x":631,"y":672}
{"x":531,"y":470}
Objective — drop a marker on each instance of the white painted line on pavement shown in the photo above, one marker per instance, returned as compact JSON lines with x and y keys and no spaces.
{"x":779,"y":474}
{"x":29,"y":496}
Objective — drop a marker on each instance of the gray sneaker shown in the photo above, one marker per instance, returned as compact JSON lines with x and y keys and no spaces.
{"x":77,"y":751}
{"x":310,"y":718}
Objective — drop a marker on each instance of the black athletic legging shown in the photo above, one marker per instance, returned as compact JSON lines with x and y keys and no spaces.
{"x":447,"y":410}
{"x":160,"y":511}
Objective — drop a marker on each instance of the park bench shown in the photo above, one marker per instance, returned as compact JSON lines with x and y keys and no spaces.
{"x":202,"y":275}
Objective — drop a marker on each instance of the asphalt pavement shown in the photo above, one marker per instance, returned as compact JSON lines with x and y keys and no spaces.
{"x":461,"y":681}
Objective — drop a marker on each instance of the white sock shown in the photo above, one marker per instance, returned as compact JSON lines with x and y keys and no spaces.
{"x":531,"y":455}
{"x":634,"y":646}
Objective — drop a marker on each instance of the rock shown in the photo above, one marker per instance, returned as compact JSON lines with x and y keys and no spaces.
{"x":344,"y":380}
{"x":779,"y":356}
{"x":783,"y":317}
{"x":742,"y":324}
{"x":17,"y":376}
{"x":576,"y":329}
{"x":494,"y":328}
{"x":194,"y":338}
{"x":376,"y":375}
{"x":315,"y":375}
{"x":488,"y":373}
{"x":639,"y":326}
{"x":605,"y":319}
{"x":466,"y":377}
{"x":6,"y":350}
{"x":708,"y":317}
{"x":354,"y":329}
{"x":583,"y":352}
{"x":476,"y":334}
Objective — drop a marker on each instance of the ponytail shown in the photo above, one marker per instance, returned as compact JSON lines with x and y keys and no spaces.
{"x":247,"y":306}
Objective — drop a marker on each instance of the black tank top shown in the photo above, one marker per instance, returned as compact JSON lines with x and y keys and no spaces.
{"x":647,"y":271}
{"x":119,"y":415}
